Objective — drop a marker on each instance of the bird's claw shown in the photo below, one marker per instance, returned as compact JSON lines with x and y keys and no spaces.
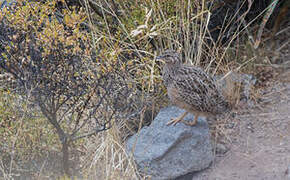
{"x":173,"y":122}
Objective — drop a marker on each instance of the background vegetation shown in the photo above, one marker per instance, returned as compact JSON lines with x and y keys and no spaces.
{"x":86,"y":76}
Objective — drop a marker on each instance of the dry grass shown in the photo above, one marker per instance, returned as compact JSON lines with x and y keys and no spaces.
{"x":107,"y":159}
{"x":107,"y":156}
{"x":104,"y":156}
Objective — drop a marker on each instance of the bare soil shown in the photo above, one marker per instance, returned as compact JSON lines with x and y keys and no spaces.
{"x":259,"y":142}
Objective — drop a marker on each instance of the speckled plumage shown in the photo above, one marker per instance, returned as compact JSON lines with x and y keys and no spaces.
{"x":192,"y":89}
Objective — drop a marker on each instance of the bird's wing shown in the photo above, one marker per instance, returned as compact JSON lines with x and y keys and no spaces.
{"x":197,"y":88}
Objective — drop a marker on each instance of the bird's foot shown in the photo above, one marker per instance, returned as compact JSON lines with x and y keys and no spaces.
{"x":174,"y":121}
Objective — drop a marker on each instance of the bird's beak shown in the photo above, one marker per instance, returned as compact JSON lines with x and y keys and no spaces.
{"x":160,"y":59}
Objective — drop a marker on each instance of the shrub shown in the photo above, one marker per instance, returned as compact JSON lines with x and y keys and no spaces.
{"x":55,"y":64}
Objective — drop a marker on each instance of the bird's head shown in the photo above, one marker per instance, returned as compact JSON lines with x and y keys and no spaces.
{"x":170,"y":57}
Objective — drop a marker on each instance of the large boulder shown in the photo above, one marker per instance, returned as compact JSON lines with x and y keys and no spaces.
{"x":167,"y":152}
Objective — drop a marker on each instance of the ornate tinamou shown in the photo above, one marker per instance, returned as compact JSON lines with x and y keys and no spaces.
{"x":192,"y":89}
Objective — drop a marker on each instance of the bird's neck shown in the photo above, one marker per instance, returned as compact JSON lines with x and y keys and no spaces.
{"x":171,"y":68}
{"x":169,"y":72}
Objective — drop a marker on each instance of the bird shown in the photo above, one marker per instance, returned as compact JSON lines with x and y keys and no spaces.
{"x":191,"y":88}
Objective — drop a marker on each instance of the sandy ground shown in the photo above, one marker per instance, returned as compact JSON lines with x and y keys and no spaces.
{"x":259,"y":143}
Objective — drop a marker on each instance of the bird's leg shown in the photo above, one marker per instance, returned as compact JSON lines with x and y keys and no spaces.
{"x":192,"y":123}
{"x":178,"y":119}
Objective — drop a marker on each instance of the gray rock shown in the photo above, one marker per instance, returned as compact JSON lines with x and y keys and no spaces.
{"x":167,"y":152}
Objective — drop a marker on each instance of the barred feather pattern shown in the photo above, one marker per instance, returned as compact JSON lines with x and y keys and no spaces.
{"x":191,"y":88}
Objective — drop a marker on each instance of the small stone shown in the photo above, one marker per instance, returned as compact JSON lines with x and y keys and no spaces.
{"x":221,"y":149}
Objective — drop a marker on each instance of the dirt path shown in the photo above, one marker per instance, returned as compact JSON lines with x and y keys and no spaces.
{"x":259,"y":142}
